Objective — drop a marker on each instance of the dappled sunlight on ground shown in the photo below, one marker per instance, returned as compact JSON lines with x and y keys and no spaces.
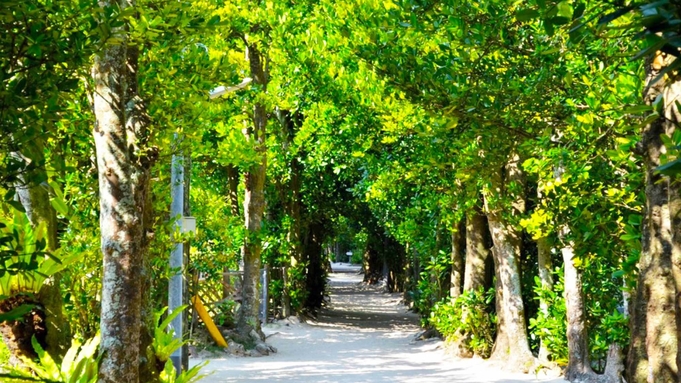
{"x":363,"y":336}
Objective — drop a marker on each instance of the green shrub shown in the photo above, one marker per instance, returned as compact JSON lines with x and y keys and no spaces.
{"x":80,"y":365}
{"x":164,"y":345}
{"x":226,"y":314}
{"x":551,"y":326}
{"x":468,"y":321}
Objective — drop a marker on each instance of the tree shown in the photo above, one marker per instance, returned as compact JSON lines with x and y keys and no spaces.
{"x":123,"y":162}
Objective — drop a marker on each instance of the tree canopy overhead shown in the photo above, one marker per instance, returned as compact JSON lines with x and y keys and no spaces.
{"x":511,"y":167}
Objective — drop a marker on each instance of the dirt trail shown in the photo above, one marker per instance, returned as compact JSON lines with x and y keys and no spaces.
{"x":363,"y":336}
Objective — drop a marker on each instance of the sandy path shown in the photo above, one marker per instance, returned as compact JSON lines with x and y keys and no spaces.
{"x":364,"y":336}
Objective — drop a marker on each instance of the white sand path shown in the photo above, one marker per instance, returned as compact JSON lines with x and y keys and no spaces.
{"x":363,"y":336}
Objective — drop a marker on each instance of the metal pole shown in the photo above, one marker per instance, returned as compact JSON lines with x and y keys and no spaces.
{"x":176,"y":256}
{"x":263,"y":297}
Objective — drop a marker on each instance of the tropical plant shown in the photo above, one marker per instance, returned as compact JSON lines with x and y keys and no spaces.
{"x":169,"y":374}
{"x":24,"y":262}
{"x":165,"y":342}
{"x":467,"y":321}
{"x":80,"y":365}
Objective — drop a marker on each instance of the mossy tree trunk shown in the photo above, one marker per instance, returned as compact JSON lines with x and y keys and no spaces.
{"x":254,"y":203}
{"x":477,"y":252}
{"x":34,"y":197}
{"x":233,"y":197}
{"x":457,"y":259}
{"x":654,"y":309}
{"x":123,"y":161}
{"x":579,"y":364}
{"x":511,"y":343}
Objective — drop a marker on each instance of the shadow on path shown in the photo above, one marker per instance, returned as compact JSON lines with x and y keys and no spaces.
{"x":364,"y":335}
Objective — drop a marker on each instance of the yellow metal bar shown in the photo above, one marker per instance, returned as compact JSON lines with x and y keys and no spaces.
{"x":208,"y":321}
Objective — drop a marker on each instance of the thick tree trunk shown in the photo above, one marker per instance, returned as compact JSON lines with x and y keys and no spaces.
{"x":254,"y":205}
{"x":506,"y":252}
{"x":458,"y":250}
{"x":476,"y":250}
{"x":122,"y":159}
{"x":653,"y":350}
{"x":579,"y":365}
{"x":546,"y":280}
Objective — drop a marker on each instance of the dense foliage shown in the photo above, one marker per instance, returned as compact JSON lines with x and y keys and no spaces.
{"x":503,"y":164}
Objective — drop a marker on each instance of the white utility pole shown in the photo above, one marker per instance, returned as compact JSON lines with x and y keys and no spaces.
{"x":175,"y":285}
{"x":175,"y":293}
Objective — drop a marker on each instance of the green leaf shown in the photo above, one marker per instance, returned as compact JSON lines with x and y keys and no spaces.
{"x":17,"y":205}
{"x":614,"y":15}
{"x":526,"y":14}
{"x":670,"y":168}
{"x":17,"y":313}
{"x":650,"y":49}
{"x":638,"y":109}
{"x":60,"y":206}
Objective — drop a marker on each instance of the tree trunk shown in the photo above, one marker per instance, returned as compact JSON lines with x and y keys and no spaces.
{"x":458,"y":250}
{"x":476,"y":250}
{"x":294,"y":230}
{"x":506,"y":252}
{"x":233,"y":196}
{"x":653,"y":350}
{"x":233,"y":186}
{"x":36,"y":202}
{"x":254,"y":205}
{"x":372,"y":263}
{"x":149,"y":368}
{"x":290,"y":123}
{"x":546,"y":280}
{"x":315,"y":276}
{"x":579,"y":365}
{"x":122,"y":160}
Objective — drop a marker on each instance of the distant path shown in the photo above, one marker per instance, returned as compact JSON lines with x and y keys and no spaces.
{"x":364,"y":336}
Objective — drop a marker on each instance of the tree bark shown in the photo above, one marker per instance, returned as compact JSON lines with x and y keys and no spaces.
{"x":36,"y":202}
{"x":292,"y":203}
{"x":294,"y":232}
{"x":653,"y":350}
{"x":233,"y":197}
{"x":476,"y":250}
{"x":579,"y":365}
{"x":149,"y":368}
{"x":254,"y":204}
{"x":506,"y":252}
{"x":233,"y":189}
{"x":123,"y":161}
{"x":458,"y":251}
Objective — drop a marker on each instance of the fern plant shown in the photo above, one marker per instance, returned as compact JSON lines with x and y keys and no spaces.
{"x":168,"y":375}
{"x":24,"y":263}
{"x":165,"y":344}
{"x":80,"y":365}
